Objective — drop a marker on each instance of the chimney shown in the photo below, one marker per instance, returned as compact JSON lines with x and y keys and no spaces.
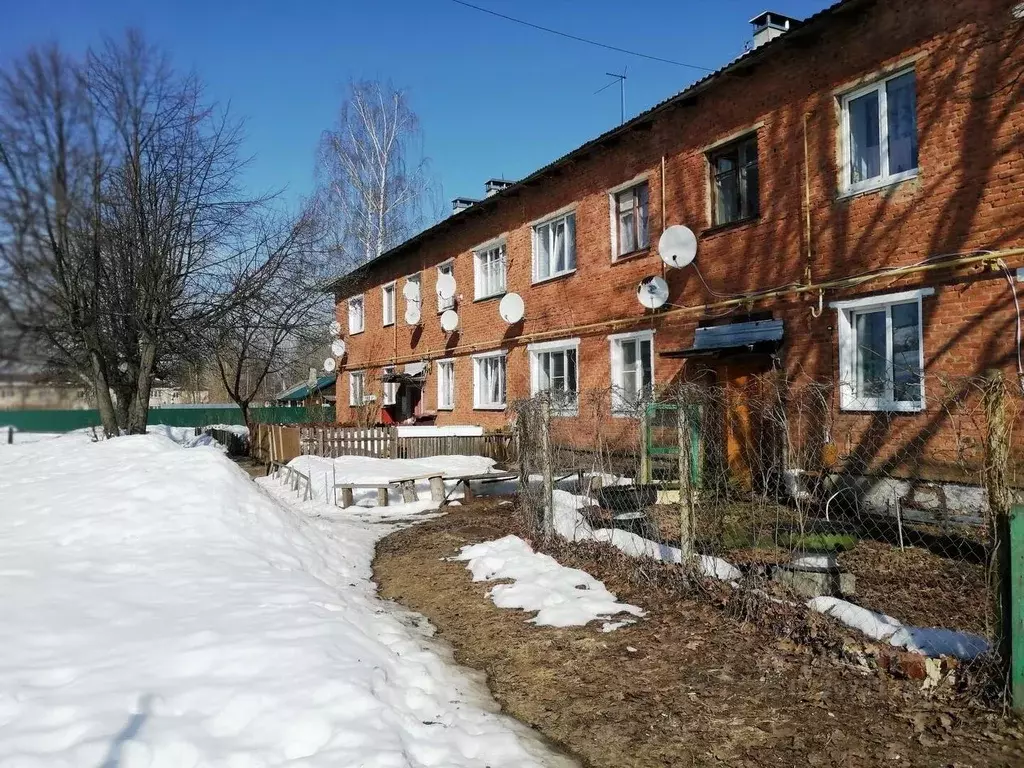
{"x":494,"y":186}
{"x":462,"y":203}
{"x":770,"y":25}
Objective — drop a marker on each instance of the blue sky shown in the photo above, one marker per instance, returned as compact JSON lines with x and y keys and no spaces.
{"x":494,"y":98}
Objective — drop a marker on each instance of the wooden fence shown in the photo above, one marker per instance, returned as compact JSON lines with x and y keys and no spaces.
{"x":284,"y":443}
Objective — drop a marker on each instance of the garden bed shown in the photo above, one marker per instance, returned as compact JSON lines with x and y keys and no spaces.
{"x":686,"y":685}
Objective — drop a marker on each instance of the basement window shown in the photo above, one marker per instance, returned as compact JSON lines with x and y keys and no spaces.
{"x":879,"y":130}
{"x":734,"y":182}
{"x":881,"y":352}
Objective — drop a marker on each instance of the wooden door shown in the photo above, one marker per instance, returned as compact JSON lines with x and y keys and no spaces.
{"x":742,"y":381}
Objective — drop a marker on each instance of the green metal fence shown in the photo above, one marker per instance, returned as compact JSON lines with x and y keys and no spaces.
{"x":174,"y":416}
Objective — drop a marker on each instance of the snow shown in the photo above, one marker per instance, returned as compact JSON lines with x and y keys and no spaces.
{"x":23,"y":438}
{"x":637,"y":546}
{"x":454,"y":430}
{"x":562,"y":597}
{"x":930,"y":641}
{"x":160,"y":609}
{"x":184,"y":436}
{"x":238,"y":430}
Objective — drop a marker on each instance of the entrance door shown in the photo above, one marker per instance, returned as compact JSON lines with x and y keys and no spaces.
{"x":742,"y":380}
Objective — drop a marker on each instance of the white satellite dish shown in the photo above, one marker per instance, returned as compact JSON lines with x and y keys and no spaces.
{"x":411,"y":291}
{"x":412,"y":314}
{"x":652,"y":292}
{"x":330,"y":364}
{"x":677,"y":246}
{"x":449,"y":320}
{"x":445,"y":287}
{"x":335,"y":328}
{"x":511,"y":308}
{"x":338,"y":348}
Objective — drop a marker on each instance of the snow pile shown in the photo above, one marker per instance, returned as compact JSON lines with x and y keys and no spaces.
{"x":637,"y":546}
{"x":562,"y":597}
{"x":930,"y":641}
{"x":186,"y":437}
{"x":159,"y":609}
{"x":238,"y":430}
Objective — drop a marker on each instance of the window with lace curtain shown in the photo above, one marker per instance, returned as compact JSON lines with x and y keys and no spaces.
{"x":489,"y":380}
{"x":489,"y":271}
{"x":880,"y":133}
{"x":554,"y":247}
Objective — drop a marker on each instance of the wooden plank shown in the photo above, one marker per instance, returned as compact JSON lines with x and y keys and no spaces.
{"x":382,"y":497}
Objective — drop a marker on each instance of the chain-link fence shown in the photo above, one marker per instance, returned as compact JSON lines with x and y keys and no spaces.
{"x":894,"y":521}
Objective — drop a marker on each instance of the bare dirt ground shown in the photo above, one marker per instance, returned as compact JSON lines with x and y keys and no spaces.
{"x":686,"y":686}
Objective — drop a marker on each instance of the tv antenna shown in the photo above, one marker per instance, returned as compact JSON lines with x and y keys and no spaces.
{"x":621,"y":80}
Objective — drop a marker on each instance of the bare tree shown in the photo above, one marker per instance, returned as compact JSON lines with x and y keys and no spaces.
{"x":374,"y":178}
{"x":120,"y":215}
{"x":281,"y":313}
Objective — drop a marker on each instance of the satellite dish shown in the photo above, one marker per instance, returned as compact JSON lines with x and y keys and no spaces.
{"x":449,"y":320}
{"x":338,"y":348}
{"x":511,"y":308}
{"x":412,"y":314}
{"x":445,"y":287}
{"x":411,"y":290}
{"x":335,"y":327}
{"x":330,"y":364}
{"x":677,"y":246}
{"x":652,"y":292}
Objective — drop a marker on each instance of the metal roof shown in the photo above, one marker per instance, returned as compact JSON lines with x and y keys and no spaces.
{"x":806,"y":28}
{"x":302,"y":391}
{"x":752,"y":336}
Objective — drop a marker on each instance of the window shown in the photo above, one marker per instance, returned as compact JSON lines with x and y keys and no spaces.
{"x":489,"y":380}
{"x":417,"y":301}
{"x":554,"y":247}
{"x":553,"y":370}
{"x":387,"y":304}
{"x":445,"y":385}
{"x":734,"y":182}
{"x":490,"y":271}
{"x":881,"y":352}
{"x":390,"y":389}
{"x":448,"y":268}
{"x":629,"y":220}
{"x":355,"y":314}
{"x":632,"y":370}
{"x":356,"y":394}
{"x":880,"y":133}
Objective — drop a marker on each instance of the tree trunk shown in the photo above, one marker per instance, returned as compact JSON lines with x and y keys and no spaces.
{"x":139,"y":414}
{"x":104,"y":403}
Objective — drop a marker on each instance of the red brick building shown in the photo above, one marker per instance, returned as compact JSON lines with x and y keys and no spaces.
{"x":871,"y":137}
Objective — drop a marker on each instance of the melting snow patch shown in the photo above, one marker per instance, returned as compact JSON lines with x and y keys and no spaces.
{"x":930,"y":641}
{"x":638,"y":546}
{"x":562,"y":597}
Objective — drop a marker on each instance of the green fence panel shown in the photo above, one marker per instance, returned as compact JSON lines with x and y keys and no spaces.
{"x":172,"y":416}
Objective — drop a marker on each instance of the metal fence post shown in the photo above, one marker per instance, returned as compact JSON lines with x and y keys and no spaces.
{"x":1017,"y":609}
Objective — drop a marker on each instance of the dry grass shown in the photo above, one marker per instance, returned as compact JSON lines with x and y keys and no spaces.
{"x":686,"y":686}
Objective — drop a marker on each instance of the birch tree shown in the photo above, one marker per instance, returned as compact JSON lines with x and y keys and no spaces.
{"x":374,"y":178}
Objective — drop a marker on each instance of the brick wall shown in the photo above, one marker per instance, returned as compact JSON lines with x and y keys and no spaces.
{"x":968,"y":195}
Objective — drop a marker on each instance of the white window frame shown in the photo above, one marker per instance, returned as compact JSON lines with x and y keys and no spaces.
{"x":549,"y":347}
{"x":443,"y":306}
{"x":885,"y":178}
{"x":613,"y":210}
{"x":615,"y":342}
{"x":478,"y":402}
{"x":446,"y":399}
{"x":352,"y":376}
{"x":389,"y":391}
{"x":479,"y":255}
{"x":548,"y":221}
{"x":848,"y":399}
{"x":391,"y":287}
{"x":361,"y":301}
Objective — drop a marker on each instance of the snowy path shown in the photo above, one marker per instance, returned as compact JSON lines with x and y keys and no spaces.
{"x":159,"y":609}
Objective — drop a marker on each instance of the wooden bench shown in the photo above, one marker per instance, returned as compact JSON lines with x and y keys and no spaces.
{"x":483,"y":477}
{"x":407,"y":485}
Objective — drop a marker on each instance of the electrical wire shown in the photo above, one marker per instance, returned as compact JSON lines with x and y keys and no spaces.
{"x":582,"y":39}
